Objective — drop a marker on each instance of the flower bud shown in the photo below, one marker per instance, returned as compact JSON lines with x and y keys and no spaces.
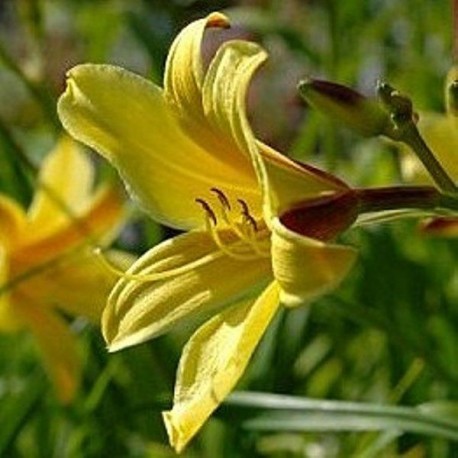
{"x":360,"y":113}
{"x":399,"y":106}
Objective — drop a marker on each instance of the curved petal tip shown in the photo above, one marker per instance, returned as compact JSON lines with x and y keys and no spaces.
{"x":219,"y":20}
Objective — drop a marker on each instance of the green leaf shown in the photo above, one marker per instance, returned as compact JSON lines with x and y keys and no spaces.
{"x":288,"y":413}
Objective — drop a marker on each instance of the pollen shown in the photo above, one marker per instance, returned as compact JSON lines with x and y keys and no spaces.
{"x":225,"y":219}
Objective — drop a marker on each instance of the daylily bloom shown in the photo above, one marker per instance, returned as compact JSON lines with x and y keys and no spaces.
{"x":46,"y":261}
{"x":260,"y":226}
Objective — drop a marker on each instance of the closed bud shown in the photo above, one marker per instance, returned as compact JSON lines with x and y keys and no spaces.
{"x":400,"y":110}
{"x":398,"y":105}
{"x":359,"y":113}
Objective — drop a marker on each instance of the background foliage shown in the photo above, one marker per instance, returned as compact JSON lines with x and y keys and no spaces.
{"x":388,"y":337}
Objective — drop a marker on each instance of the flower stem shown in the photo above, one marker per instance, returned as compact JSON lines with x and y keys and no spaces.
{"x":401,"y":197}
{"x":413,"y":139}
{"x":403,"y":128}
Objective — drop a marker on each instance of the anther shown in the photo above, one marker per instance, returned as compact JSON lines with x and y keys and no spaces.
{"x":210,"y":213}
{"x":247,"y":215}
{"x":222,"y":198}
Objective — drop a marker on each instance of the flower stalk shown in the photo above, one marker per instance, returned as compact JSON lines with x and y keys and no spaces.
{"x":405,"y":130}
{"x":401,"y":197}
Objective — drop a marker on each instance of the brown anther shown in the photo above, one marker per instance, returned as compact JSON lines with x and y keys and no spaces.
{"x":222,"y":198}
{"x":246,"y":214}
{"x":208,"y":210}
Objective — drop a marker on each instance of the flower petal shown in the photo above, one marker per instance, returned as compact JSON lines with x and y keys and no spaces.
{"x":224,"y":100}
{"x":65,"y":181}
{"x":306,"y":268}
{"x":191,"y":278}
{"x":77,"y":283}
{"x":12,"y":221}
{"x":57,"y":346}
{"x":184,"y":73}
{"x":99,"y":223}
{"x":213,"y":361}
{"x":8,"y":319}
{"x":211,"y":105}
{"x":287,"y":182}
{"x":186,"y":86}
{"x":163,"y":168}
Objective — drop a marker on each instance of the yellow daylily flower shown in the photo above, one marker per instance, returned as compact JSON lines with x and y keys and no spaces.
{"x":260,"y":226}
{"x":46,"y":259}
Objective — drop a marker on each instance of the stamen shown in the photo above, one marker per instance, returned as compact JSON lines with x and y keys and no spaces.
{"x":208,"y":210}
{"x":225,"y":209}
{"x":222,"y":198}
{"x":247,"y":215}
{"x":156,"y":276}
{"x":247,"y":230}
{"x":225,"y":248}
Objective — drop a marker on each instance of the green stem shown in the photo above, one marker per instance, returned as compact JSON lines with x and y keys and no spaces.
{"x":413,"y":139}
{"x":404,"y":129}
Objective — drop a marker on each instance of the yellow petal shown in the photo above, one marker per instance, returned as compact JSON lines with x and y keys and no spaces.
{"x":287,"y":182}
{"x":65,"y":184}
{"x":77,"y":283}
{"x":183,"y":83}
{"x":184,"y":73}
{"x":213,"y":361}
{"x":193,"y":278}
{"x":207,"y":104}
{"x":101,"y":220}
{"x":306,"y":268}
{"x":162,"y":167}
{"x":8,"y":318}
{"x":58,"y":348}
{"x":224,"y":99}
{"x":12,"y":221}
{"x":211,"y":107}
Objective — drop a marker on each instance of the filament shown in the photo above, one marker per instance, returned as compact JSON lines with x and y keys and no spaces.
{"x":155,"y":276}
{"x":246,"y":230}
{"x":225,"y":248}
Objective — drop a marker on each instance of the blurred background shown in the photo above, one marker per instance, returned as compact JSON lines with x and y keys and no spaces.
{"x":387,"y":336}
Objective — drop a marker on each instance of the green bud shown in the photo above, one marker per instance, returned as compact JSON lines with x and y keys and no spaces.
{"x":360,"y":113}
{"x":399,"y":108}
